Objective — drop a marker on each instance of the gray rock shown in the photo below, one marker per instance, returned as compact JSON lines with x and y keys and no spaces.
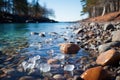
{"x":92,"y":24}
{"x":78,"y":31}
{"x":116,"y":36}
{"x":117,"y":78}
{"x":118,"y":26}
{"x":108,"y":26}
{"x":107,"y":46}
{"x":118,"y":72}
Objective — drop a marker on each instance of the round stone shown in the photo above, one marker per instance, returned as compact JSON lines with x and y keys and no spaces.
{"x":58,"y":77}
{"x":109,"y":57}
{"x":26,"y":78}
{"x":69,"y":48}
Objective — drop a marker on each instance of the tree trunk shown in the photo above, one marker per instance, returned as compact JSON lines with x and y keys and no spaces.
{"x":104,"y":9}
{"x":94,"y":12}
{"x":114,"y":5}
{"x":118,"y":5}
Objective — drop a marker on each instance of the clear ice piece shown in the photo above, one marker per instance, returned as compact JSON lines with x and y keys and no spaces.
{"x":69,"y":67}
{"x":44,"y":67}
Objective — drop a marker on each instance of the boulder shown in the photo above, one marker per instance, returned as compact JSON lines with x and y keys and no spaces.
{"x":95,"y":73}
{"x":116,"y":36}
{"x":109,"y":57}
{"x":108,"y":26}
{"x":107,"y":46}
{"x":69,"y":48}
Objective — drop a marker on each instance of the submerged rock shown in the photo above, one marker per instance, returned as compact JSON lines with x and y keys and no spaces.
{"x":34,"y":33}
{"x":42,"y":34}
{"x":69,"y":48}
{"x":58,"y":77}
{"x":109,"y":57}
{"x":51,"y":61}
{"x":27,"y":78}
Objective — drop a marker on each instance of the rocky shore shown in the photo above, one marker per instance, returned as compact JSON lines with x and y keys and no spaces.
{"x":100,"y":40}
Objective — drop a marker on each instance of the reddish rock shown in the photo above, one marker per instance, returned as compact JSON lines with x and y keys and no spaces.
{"x":96,"y":73}
{"x":69,"y":48}
{"x":109,"y":57}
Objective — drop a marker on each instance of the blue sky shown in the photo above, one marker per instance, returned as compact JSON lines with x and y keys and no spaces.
{"x":65,"y":10}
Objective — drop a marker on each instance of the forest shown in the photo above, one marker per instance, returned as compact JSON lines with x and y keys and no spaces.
{"x":24,"y":11}
{"x":96,"y":8}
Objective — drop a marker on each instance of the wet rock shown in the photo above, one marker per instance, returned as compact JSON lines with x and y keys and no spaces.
{"x":108,"y":26}
{"x":69,"y":48}
{"x":116,"y":36}
{"x":77,"y":78}
{"x":1,"y":53}
{"x":42,"y":34}
{"x":52,"y":61}
{"x":26,"y":78}
{"x":109,"y":57}
{"x":78,"y":31}
{"x":107,"y":46}
{"x":58,"y":77}
{"x":95,"y":73}
{"x":2,"y":74}
{"x":34,"y":33}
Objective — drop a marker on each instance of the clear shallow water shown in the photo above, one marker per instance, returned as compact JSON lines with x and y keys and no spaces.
{"x":44,"y":48}
{"x":11,"y":34}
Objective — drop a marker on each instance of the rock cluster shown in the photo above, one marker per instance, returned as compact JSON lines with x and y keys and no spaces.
{"x":103,"y":43}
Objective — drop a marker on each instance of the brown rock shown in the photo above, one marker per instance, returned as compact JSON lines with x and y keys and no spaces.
{"x":26,"y":78}
{"x":96,"y":73}
{"x":50,"y":61}
{"x":2,"y":74}
{"x":58,"y":77}
{"x":109,"y":57}
{"x":69,"y":48}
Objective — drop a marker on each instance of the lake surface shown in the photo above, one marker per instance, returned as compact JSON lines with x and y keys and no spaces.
{"x":13,"y":35}
{"x":41,"y":45}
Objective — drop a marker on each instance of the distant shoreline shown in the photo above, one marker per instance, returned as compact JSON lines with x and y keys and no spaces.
{"x":10,"y":18}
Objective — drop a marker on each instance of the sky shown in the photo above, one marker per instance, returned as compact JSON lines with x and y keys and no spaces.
{"x":65,"y":10}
